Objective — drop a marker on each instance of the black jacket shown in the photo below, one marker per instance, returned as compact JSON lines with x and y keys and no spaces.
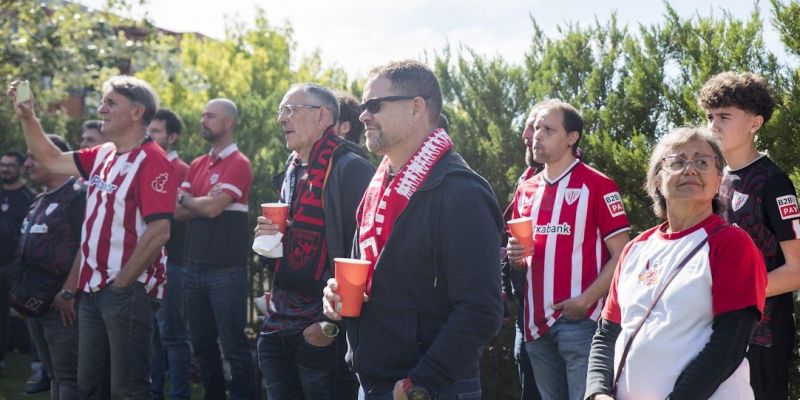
{"x":349,"y":177}
{"x":435,"y":300}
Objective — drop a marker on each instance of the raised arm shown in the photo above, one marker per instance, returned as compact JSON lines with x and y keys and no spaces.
{"x":48,"y":155}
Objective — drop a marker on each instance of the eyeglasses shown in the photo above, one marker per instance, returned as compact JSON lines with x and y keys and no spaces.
{"x":702,"y":163}
{"x":374,"y":105}
{"x":289,"y":109}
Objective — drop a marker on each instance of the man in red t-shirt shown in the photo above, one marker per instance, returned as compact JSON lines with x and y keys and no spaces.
{"x":579,"y":230}
{"x":171,"y":340}
{"x":130,"y":202}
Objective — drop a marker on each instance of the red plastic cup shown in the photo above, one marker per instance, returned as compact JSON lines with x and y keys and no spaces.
{"x":351,"y":277}
{"x":278,"y":213}
{"x":522,"y":230}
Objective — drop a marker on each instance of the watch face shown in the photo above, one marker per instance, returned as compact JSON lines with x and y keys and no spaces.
{"x":330,"y":330}
{"x":418,"y":393}
{"x":67,"y":295}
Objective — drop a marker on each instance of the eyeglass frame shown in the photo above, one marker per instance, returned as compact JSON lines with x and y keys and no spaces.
{"x":687,"y":161}
{"x":377,"y":101}
{"x":291,"y":108}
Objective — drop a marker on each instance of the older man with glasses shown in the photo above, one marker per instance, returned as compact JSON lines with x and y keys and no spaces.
{"x":299,"y":352}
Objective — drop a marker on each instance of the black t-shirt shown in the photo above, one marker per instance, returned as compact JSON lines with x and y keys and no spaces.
{"x":13,"y":208}
{"x":762,"y":200}
{"x":55,"y":232}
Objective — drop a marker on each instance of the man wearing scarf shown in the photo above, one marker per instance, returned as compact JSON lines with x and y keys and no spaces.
{"x":324,"y":180}
{"x":431,"y":228}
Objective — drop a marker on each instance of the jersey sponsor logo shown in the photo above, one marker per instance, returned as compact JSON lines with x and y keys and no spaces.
{"x":4,"y":207}
{"x":102,"y":185}
{"x":788,"y":206}
{"x":550,"y":229}
{"x":50,"y":208}
{"x":39,"y":228}
{"x":214,"y":178}
{"x":570,"y":195}
{"x":738,"y":200}
{"x":614,"y":204}
{"x":159,"y":184}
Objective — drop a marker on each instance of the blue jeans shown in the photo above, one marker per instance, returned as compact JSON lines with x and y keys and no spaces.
{"x":171,"y":341}
{"x":116,"y":329}
{"x":560,"y":359}
{"x":524,"y":368}
{"x":468,"y":389}
{"x":58,"y":349}
{"x":295,"y":369}
{"x":216,"y":305}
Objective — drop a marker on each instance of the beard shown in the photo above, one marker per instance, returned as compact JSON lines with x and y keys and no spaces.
{"x":377,"y":143}
{"x":209,"y":135}
{"x":8,"y":179}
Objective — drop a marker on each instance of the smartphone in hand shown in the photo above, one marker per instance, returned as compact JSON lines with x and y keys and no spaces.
{"x":23,"y":91}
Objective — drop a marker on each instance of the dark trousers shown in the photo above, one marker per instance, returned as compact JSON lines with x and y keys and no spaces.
{"x":171,"y":350}
{"x":7,"y":273}
{"x":216,"y":306}
{"x":468,"y":389}
{"x":116,"y":329}
{"x":769,"y":371}
{"x":295,"y":369}
{"x":57,"y":346}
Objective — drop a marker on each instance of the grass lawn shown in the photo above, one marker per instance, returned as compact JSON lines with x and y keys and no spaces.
{"x":18,"y":369}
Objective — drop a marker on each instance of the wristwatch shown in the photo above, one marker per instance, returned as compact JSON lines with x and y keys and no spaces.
{"x":66,"y":294}
{"x":180,"y":198}
{"x":414,"y":392}
{"x":329,"y":329}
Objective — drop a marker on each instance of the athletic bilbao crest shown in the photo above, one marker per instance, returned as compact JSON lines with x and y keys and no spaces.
{"x":570,"y":195}
{"x":738,"y":200}
{"x":788,"y":206}
{"x":303,"y":247}
{"x":651,"y":274}
{"x":614,"y":204}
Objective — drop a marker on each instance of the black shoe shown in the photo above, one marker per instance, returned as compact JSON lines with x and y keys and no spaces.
{"x":37,"y":386}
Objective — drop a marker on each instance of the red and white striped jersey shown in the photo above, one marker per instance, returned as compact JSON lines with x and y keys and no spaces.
{"x":125,"y":192}
{"x":571,"y":217}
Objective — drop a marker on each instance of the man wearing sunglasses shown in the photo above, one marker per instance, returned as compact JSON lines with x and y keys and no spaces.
{"x":430,"y":226}
{"x":299,"y":352}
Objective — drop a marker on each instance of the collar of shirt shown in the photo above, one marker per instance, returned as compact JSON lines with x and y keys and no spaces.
{"x":224,"y":153}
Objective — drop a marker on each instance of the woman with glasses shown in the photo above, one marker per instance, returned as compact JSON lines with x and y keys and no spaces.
{"x":686,"y":294}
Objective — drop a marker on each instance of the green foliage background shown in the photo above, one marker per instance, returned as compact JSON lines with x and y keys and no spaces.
{"x":633,"y":84}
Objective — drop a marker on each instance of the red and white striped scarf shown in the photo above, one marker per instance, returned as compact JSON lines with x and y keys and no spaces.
{"x":383,"y":201}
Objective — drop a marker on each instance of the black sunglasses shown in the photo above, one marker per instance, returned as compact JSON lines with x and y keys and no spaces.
{"x":374,"y":105}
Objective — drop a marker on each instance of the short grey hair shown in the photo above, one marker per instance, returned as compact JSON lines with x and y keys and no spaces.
{"x":322,"y":94}
{"x":135,"y":90}
{"x":668,"y":143}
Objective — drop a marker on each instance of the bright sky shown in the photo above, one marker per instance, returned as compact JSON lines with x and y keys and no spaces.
{"x":359,"y":34}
